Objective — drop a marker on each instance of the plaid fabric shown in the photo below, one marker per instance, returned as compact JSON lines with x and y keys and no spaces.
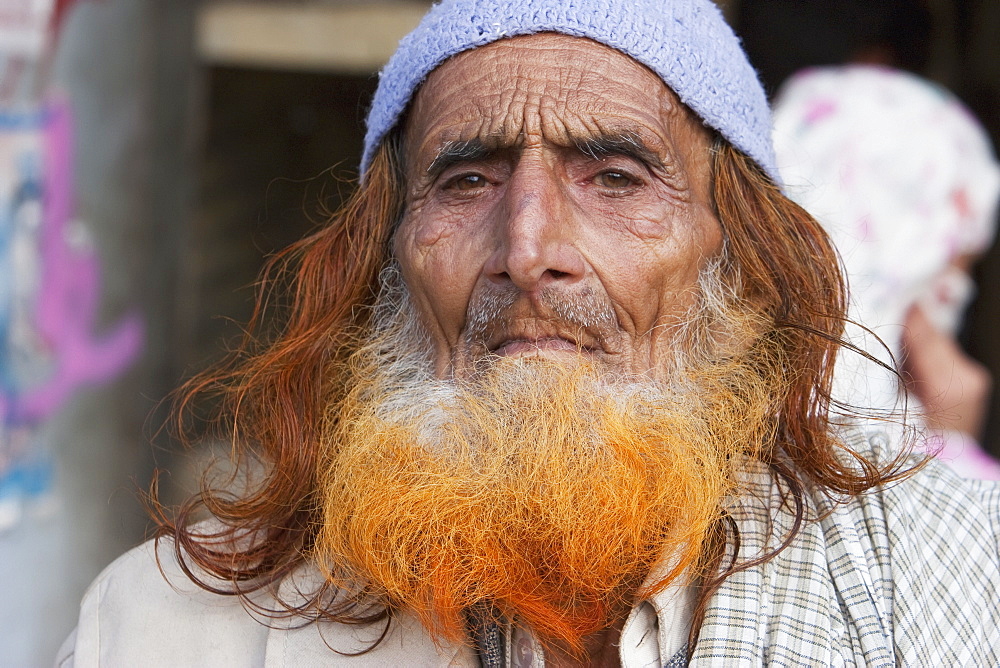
{"x":906,"y":575}
{"x":678,"y":660}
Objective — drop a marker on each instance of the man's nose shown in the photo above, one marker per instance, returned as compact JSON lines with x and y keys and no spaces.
{"x":536,"y":232}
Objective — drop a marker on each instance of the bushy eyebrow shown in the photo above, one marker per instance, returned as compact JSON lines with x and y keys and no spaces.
{"x":626,"y":144}
{"x":598,"y":147}
{"x":459,"y":151}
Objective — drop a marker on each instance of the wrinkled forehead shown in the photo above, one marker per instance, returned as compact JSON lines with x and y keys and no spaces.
{"x":547,"y":88}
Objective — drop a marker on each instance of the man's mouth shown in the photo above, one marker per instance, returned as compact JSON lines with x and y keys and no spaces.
{"x":541,"y":339}
{"x":536,"y":346}
{"x":548,"y":324}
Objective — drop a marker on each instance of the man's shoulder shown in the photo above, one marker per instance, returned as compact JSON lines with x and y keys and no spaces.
{"x":930,"y":513}
{"x":927,"y":494}
{"x":144,"y":608}
{"x":936,"y":498}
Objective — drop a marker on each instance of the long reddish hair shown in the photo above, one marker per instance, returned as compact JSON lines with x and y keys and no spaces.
{"x":271,"y":396}
{"x":782,"y":263}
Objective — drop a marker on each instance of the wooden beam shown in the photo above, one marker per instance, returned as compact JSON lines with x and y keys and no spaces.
{"x":349,"y":38}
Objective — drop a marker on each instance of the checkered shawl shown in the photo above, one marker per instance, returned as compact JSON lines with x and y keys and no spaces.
{"x":908,"y":574}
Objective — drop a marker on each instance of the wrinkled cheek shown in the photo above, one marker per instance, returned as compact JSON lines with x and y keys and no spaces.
{"x":448,"y":295}
{"x":438,"y":292}
{"x":661,"y":304}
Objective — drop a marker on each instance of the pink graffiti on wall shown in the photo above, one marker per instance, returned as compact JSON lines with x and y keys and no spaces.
{"x":68,"y":293}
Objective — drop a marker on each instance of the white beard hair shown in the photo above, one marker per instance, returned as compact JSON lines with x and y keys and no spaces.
{"x":404,"y":390}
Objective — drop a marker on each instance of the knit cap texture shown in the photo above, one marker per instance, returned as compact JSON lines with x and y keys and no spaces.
{"x":686,"y":42}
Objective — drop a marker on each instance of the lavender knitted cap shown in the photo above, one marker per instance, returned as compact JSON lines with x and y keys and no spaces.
{"x":686,"y":42}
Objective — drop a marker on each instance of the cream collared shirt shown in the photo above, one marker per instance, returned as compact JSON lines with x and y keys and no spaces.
{"x":132,"y":615}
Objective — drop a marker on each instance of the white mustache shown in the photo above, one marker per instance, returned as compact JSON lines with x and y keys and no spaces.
{"x":493,"y":309}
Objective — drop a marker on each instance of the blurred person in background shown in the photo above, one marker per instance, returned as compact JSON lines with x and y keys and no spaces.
{"x":909,"y":216}
{"x":553,"y":388}
{"x":905,"y":181}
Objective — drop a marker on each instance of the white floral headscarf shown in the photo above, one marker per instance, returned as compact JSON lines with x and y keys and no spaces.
{"x":905,"y":181}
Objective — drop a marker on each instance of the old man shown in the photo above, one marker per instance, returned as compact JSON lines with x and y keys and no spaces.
{"x":553,"y":389}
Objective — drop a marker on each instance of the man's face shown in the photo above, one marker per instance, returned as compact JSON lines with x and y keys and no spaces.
{"x":557,"y":203}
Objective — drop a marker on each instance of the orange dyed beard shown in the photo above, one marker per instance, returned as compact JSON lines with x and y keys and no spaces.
{"x":542,"y":492}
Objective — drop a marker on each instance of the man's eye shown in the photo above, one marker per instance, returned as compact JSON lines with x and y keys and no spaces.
{"x":615,"y":180}
{"x":468,"y":182}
